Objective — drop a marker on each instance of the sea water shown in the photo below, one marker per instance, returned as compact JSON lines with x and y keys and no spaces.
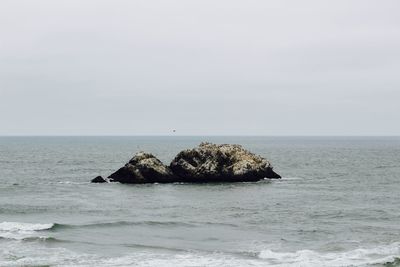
{"x":338,"y":204}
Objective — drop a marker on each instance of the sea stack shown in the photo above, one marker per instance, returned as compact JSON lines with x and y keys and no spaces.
{"x":203,"y":164}
{"x":220,"y":163}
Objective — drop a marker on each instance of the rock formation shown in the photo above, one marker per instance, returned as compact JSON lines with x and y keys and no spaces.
{"x":205,"y":163}
{"x":220,"y":163}
{"x":143,"y":168}
{"x":99,"y":179}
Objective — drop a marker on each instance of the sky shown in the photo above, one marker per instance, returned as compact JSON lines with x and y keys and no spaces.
{"x":220,"y":67}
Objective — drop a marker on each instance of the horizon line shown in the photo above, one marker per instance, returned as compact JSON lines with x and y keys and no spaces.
{"x":189,"y":135}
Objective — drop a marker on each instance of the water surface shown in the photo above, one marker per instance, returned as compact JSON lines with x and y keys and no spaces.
{"x":337,"y":205}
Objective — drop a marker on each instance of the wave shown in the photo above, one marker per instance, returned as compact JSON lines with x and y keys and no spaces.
{"x":47,"y":239}
{"x":57,"y":226}
{"x":32,"y":233}
{"x":292,"y":178}
{"x":386,"y":255}
{"x":63,"y":257}
{"x":33,"y":254}
{"x":20,"y":226}
{"x":386,"y":166}
{"x":72,"y":182}
{"x":8,"y":229}
{"x":23,"y":231}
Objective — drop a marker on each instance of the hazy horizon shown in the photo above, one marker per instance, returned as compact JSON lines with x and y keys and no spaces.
{"x":225,"y":68}
{"x":214,"y":135}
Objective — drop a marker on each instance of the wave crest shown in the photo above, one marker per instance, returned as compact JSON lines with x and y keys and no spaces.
{"x":358,"y":257}
{"x":22,"y":231}
{"x":19,"y":226}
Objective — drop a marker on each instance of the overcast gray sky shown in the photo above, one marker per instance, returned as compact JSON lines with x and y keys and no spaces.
{"x":92,"y":67}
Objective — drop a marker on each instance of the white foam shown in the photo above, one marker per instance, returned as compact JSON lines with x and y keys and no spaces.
{"x":72,"y":183}
{"x":19,"y":230}
{"x":19,"y":226}
{"x":20,"y":254}
{"x":292,"y":178}
{"x":62,"y":257}
{"x":356,"y":257}
{"x":66,"y":258}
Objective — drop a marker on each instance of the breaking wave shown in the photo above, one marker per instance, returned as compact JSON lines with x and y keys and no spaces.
{"x":31,"y":252}
{"x":23,"y":231}
{"x":19,"y":226}
{"x":385,"y":255}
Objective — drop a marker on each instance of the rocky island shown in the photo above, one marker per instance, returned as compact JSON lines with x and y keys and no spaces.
{"x":206,"y":163}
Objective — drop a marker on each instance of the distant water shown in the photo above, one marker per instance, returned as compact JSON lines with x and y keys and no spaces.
{"x":337,"y":205}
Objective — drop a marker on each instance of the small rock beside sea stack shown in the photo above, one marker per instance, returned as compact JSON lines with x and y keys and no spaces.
{"x":205,"y":163}
{"x":99,"y":179}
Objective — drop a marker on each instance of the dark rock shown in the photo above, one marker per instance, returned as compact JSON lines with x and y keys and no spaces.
{"x":205,"y":163}
{"x":143,"y":168}
{"x":99,"y":179}
{"x":221,"y":163}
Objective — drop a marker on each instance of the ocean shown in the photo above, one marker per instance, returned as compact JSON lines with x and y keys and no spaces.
{"x":338,"y":204}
